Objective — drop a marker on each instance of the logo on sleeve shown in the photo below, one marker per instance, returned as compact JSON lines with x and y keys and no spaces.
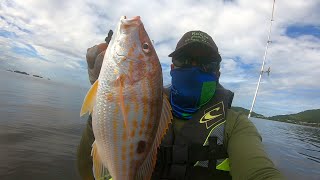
{"x":213,"y":115}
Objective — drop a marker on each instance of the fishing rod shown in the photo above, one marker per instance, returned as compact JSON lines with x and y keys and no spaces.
{"x":263,"y":62}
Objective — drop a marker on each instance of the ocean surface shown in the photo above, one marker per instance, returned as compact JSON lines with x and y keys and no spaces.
{"x":40,"y":130}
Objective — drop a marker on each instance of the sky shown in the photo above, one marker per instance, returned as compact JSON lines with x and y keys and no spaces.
{"x":51,"y":37}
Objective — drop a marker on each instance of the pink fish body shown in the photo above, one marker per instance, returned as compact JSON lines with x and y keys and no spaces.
{"x":130,"y":113}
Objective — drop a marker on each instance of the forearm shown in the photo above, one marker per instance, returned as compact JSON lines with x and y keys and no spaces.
{"x":248,"y":160}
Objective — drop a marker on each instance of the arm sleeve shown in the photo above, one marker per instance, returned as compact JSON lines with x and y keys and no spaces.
{"x":248,"y":160}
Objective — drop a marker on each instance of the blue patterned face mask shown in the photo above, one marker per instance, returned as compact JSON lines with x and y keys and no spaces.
{"x":191,"y":89}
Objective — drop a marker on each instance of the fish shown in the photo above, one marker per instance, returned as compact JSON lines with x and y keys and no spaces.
{"x":130,"y":112}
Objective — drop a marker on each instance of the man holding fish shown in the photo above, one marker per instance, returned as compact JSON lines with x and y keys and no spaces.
{"x":139,"y":130}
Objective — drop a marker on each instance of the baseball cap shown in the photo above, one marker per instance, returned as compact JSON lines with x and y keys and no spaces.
{"x":196,"y":44}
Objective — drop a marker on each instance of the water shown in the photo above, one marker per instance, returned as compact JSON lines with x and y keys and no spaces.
{"x":294,"y":149}
{"x":40,"y":130}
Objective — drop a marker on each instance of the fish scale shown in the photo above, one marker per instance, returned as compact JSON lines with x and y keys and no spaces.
{"x":130,"y":113}
{"x":125,"y":144}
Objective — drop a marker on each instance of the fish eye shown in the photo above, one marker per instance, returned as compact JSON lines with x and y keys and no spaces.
{"x":145,"y":47}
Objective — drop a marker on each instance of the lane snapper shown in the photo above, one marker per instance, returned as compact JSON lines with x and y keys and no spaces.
{"x":130,"y":113}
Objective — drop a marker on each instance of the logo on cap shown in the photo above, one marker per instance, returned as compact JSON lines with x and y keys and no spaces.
{"x":198,"y":37}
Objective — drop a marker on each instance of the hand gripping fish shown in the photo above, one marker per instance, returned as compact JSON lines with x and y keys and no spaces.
{"x":130,"y":113}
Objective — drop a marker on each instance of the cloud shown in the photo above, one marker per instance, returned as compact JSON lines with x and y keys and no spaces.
{"x":51,"y":37}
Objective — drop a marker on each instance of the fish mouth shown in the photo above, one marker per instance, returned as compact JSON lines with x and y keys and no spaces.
{"x":128,"y":27}
{"x":133,"y":21}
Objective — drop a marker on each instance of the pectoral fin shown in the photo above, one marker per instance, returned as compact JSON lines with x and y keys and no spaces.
{"x":99,"y":171}
{"x":146,"y":169}
{"x":89,"y":100}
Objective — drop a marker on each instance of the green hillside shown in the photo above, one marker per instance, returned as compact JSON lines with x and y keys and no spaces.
{"x":309,"y":116}
{"x":246,"y":112}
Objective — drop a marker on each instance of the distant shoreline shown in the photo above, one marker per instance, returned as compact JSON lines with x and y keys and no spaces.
{"x":317,"y":125}
{"x":306,"y":118}
{"x":25,"y":73}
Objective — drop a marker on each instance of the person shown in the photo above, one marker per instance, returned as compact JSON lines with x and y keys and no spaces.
{"x":207,"y":139}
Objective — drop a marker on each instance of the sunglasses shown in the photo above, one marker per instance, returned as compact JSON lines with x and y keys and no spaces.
{"x":206,"y":64}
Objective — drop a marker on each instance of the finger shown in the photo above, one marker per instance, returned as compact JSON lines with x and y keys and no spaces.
{"x":93,"y":52}
{"x":91,"y":56}
{"x":98,"y":64}
{"x":102,"y":47}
